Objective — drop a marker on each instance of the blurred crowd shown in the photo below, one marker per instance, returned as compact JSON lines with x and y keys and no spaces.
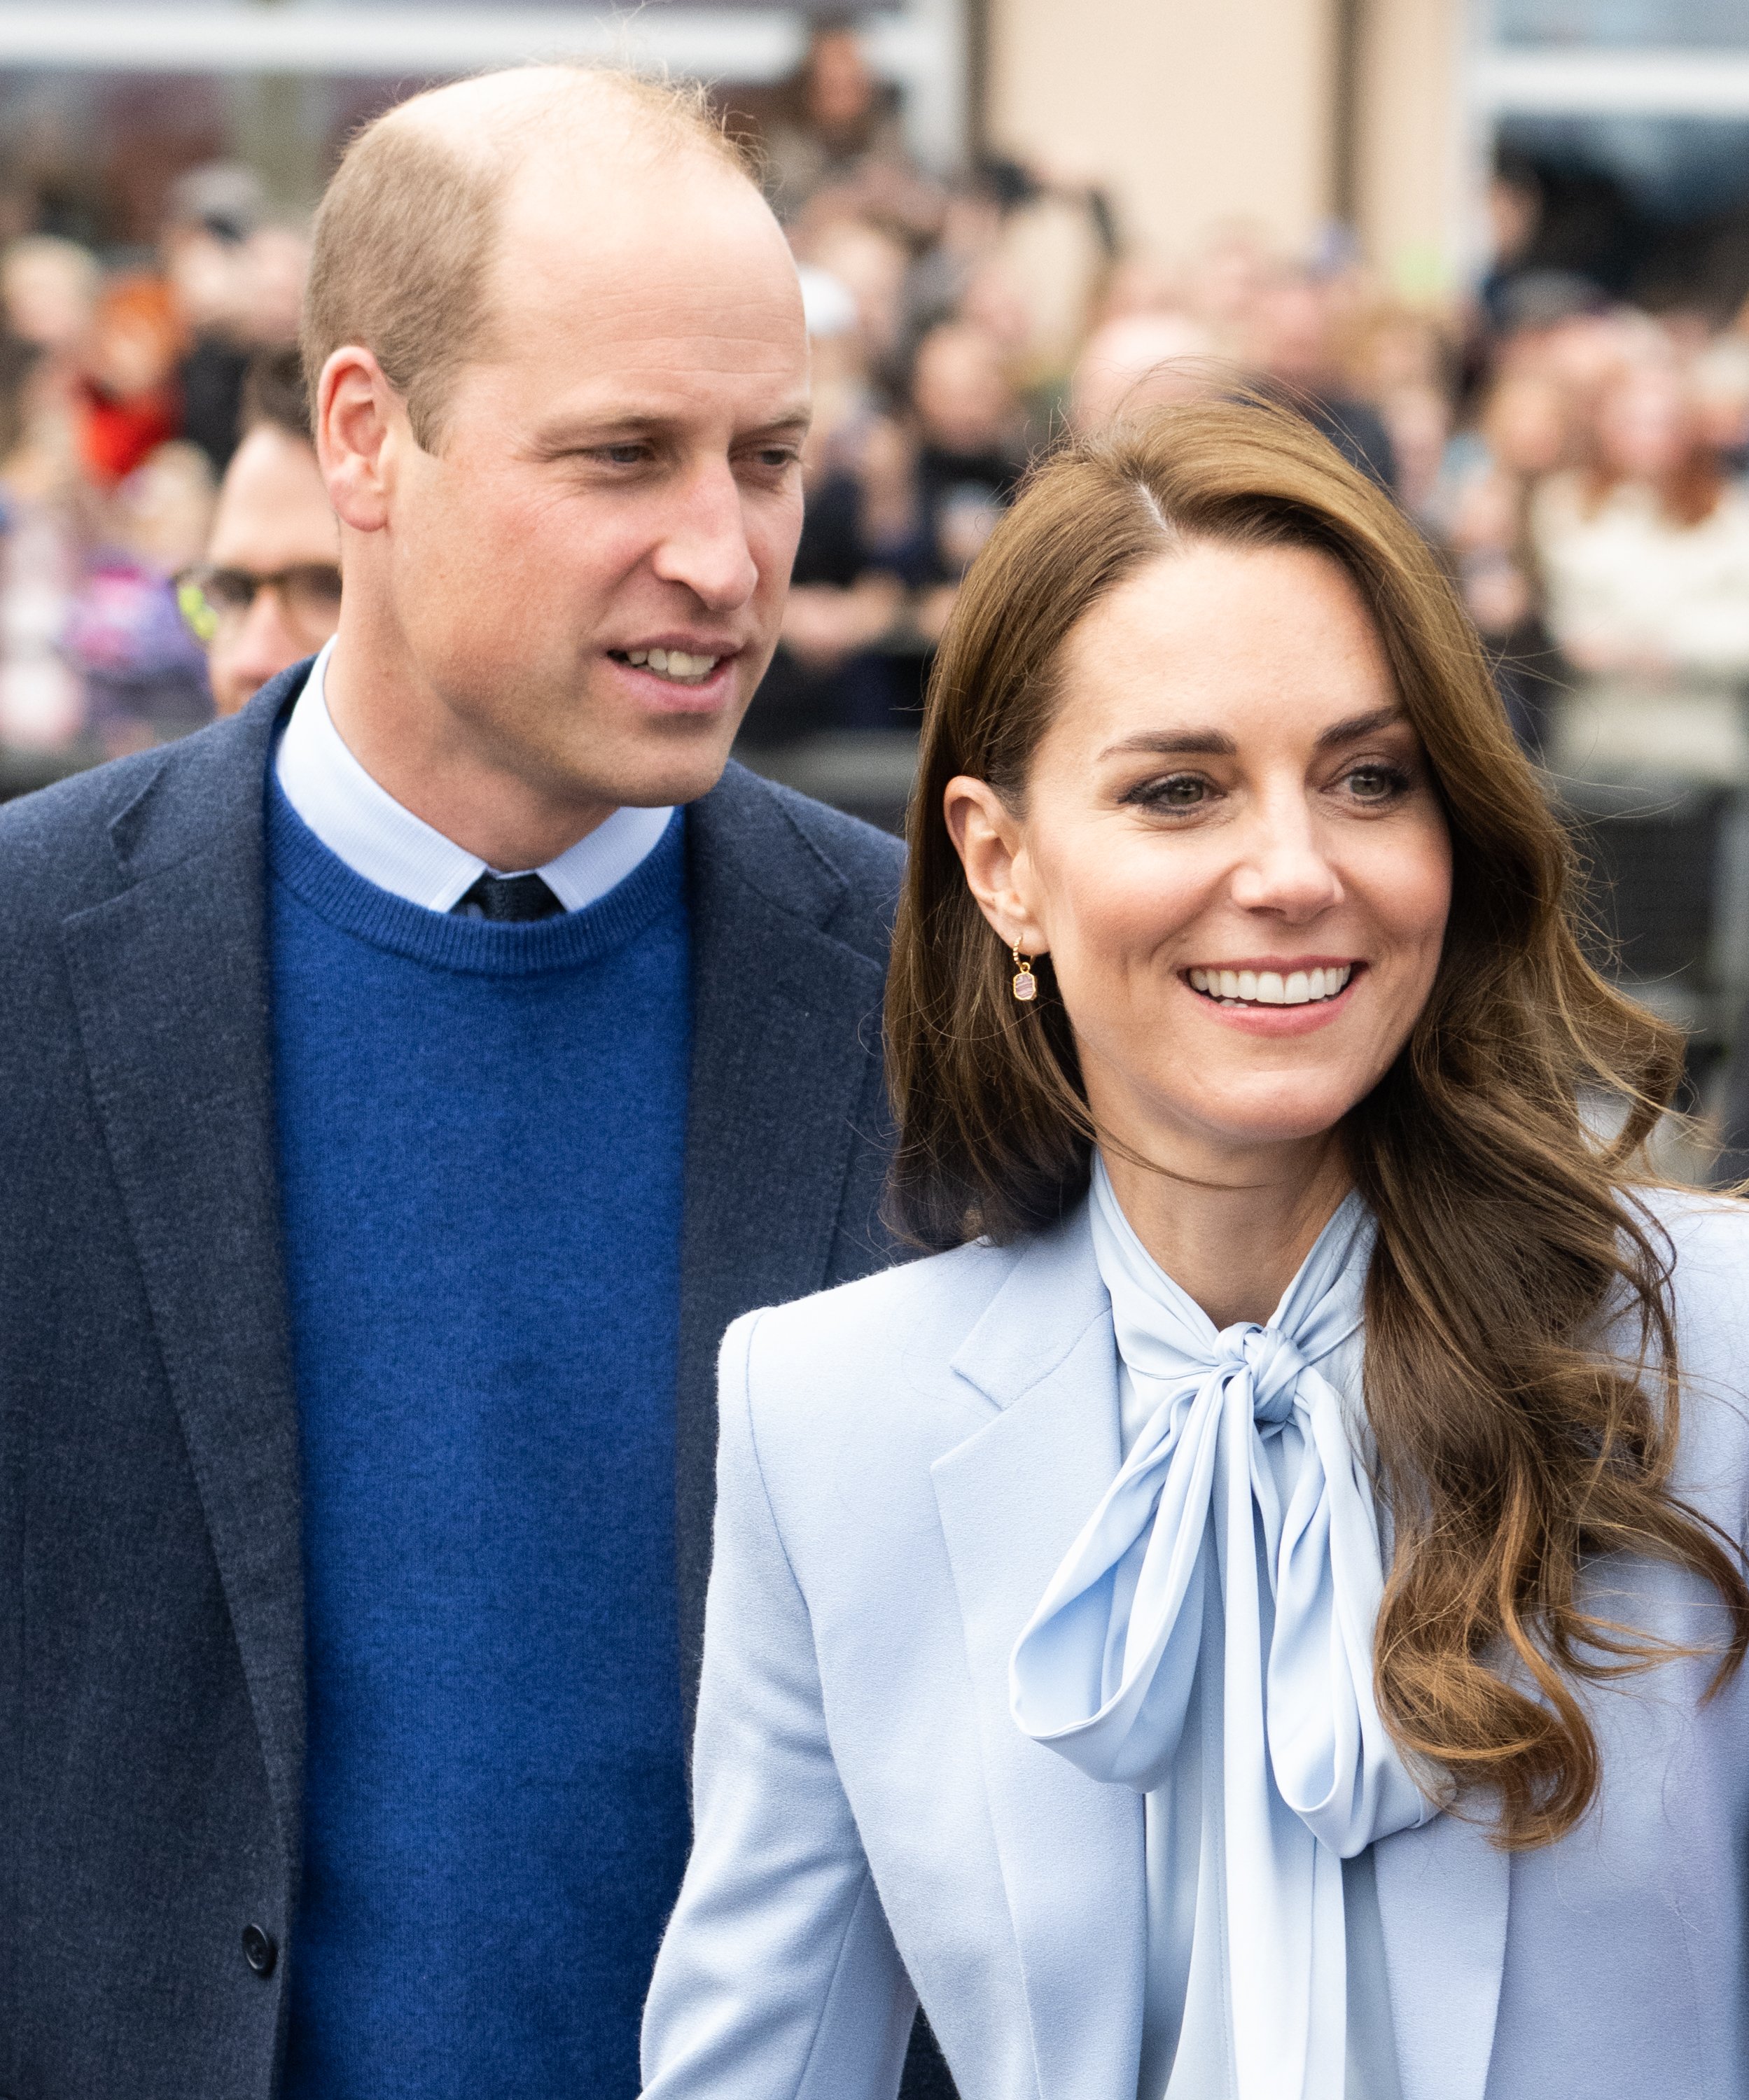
{"x":1581,"y":465}
{"x":125,"y":387}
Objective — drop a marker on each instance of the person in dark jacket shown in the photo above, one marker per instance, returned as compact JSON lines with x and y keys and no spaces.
{"x":1293,"y":349}
{"x":1732,"y":1165}
{"x":403,"y":1083}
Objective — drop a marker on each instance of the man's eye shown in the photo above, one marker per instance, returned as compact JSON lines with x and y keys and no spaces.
{"x":774,"y":458}
{"x":620,"y":455}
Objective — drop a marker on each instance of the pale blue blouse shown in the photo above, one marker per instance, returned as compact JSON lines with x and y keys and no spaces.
{"x":1236,"y":1695}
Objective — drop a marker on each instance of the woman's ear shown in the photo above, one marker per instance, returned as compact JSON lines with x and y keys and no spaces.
{"x":989,"y":840}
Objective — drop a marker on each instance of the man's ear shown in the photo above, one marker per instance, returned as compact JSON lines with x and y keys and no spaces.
{"x":986,"y":836}
{"x":361,"y":426}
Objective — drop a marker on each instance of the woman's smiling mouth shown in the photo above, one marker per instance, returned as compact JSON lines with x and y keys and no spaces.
{"x":1293,"y":986}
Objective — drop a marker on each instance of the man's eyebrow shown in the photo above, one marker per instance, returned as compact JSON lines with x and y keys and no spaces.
{"x":567,"y":432}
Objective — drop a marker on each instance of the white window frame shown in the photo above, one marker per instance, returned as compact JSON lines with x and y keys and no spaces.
{"x":1514,"y":80}
{"x":920,"y":47}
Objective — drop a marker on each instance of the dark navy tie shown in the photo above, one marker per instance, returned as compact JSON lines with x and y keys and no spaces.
{"x":508,"y":900}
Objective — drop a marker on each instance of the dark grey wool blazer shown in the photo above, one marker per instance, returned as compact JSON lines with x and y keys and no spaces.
{"x":152,"y":1676}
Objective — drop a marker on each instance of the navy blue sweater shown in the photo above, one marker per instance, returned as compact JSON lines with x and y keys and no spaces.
{"x":481,"y":1134}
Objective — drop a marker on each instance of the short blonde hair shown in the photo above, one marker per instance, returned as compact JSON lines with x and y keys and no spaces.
{"x":404,"y":238}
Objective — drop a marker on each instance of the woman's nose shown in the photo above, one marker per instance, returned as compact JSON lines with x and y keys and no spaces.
{"x":1285,"y":868}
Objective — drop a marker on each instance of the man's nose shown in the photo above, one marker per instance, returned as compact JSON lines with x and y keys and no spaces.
{"x":1286,"y":867}
{"x":704,"y":545}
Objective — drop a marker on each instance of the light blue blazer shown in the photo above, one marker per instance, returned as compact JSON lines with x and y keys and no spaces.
{"x":903,"y":1462}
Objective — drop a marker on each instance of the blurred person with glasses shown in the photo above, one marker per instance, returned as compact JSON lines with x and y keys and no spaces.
{"x":268,"y":594}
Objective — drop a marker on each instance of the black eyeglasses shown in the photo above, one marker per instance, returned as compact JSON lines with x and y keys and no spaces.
{"x":211,"y":598}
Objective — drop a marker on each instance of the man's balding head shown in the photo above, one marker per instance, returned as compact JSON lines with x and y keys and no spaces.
{"x":559,"y":365}
{"x":408,"y":232}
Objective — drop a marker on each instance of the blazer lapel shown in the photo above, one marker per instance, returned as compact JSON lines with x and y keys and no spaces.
{"x":1012,"y":1499}
{"x":783,"y":1086}
{"x":1444,"y":1893}
{"x":170,"y":979}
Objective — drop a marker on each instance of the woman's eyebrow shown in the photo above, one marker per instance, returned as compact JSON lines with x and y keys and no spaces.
{"x":1175,"y":743}
{"x":1217,"y":743}
{"x":1359,"y":726}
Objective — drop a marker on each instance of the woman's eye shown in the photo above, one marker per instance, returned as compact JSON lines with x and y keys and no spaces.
{"x":1178,"y":790}
{"x":1376,"y":783}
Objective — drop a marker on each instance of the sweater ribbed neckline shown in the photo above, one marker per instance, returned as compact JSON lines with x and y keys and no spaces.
{"x":444,"y":941}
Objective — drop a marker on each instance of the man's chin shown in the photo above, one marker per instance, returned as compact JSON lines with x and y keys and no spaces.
{"x":654,"y":773}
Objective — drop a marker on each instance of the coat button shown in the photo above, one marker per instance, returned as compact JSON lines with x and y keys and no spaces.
{"x":260,"y":1950}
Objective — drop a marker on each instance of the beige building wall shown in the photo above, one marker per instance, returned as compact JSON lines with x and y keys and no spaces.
{"x":1191,"y":111}
{"x":1411,"y":173}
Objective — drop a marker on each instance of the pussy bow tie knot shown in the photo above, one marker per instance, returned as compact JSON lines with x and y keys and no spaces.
{"x":1275,"y":1364}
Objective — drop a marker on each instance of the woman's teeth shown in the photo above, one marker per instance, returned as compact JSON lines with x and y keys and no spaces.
{"x":675,"y":664}
{"x":1269,"y":987}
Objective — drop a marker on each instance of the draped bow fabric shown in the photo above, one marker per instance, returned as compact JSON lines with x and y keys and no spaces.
{"x":1103,"y":1672}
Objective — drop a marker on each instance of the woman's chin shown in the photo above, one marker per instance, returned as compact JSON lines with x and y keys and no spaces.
{"x":1239,"y":1121}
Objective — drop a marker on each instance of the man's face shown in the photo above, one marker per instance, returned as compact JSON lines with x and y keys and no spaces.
{"x":272,"y":521}
{"x":616,"y":487}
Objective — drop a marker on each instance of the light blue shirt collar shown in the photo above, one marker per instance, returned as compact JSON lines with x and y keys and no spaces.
{"x":380,"y":839}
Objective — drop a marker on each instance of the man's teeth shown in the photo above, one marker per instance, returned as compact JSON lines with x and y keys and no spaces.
{"x":675,"y":664}
{"x":1268,"y":987}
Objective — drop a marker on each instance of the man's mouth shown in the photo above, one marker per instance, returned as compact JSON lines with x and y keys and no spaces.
{"x":679,"y":666}
{"x":1272,"y":987}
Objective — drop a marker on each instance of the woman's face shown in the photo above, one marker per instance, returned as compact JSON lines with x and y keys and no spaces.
{"x":1231,"y":849}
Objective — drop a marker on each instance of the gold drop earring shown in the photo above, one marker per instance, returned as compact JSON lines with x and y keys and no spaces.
{"x":1025,"y":985}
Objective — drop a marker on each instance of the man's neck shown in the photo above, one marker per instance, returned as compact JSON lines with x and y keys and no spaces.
{"x":416,"y":749}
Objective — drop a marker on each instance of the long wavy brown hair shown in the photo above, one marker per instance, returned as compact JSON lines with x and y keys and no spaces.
{"x":1513,"y":1445}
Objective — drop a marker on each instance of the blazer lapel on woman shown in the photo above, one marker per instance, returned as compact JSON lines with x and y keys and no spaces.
{"x":1443,"y":1896}
{"x":1012,"y":1497}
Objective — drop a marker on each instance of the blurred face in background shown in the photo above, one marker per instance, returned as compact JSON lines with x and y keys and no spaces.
{"x":1226,"y":278}
{"x":1526,"y":424}
{"x":135,"y":339}
{"x":870,"y":266}
{"x":276,"y":260}
{"x":162,"y":513}
{"x":1418,"y":421}
{"x":840,"y":91}
{"x":272,"y":576}
{"x":50,"y":288}
{"x":1647,"y":430}
{"x":961,"y":392}
{"x":209,"y":275}
{"x":1137,"y":362}
{"x":1722,"y":394}
{"x":1291,"y":332}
